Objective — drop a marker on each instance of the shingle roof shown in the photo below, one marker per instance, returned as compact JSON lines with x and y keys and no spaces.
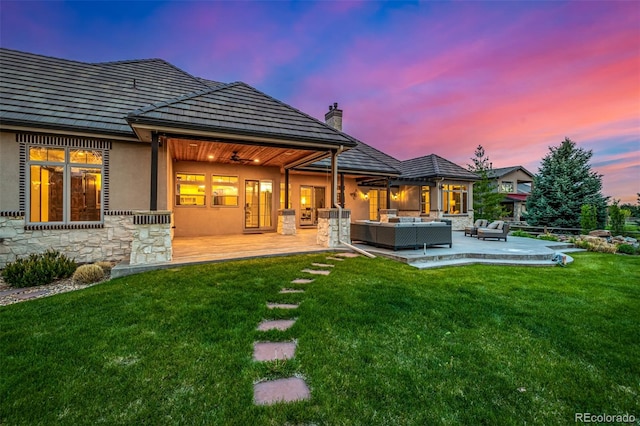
{"x":499,"y":172}
{"x":57,"y":93}
{"x":238,"y":108}
{"x":41,"y":91}
{"x":362,"y":159}
{"x":433,"y":166}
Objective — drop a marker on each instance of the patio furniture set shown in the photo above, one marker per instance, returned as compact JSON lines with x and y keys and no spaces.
{"x":402,"y":233}
{"x":481,"y":229}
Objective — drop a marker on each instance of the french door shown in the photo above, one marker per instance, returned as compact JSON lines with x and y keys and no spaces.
{"x":377,"y":201}
{"x":258,"y":209}
{"x":312,"y":198}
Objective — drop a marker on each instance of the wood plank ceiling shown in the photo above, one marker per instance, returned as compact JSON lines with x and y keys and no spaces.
{"x":232,"y":153}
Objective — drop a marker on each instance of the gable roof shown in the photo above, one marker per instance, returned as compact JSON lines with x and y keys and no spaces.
{"x":238,"y":109}
{"x":502,"y":171}
{"x":434,"y":166}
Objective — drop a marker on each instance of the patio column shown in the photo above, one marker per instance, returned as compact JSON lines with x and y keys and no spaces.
{"x":286,"y":188}
{"x":154,"y":172}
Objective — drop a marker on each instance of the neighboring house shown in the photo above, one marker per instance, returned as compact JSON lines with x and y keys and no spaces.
{"x":111,"y":161}
{"x":515,"y":182}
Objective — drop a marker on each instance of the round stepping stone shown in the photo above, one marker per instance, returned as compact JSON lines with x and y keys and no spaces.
{"x":301,"y":281}
{"x":323,"y":265}
{"x":271,"y":351}
{"x":276,"y":325}
{"x":282,"y":306}
{"x":290,"y":290}
{"x":316,"y":271}
{"x":281,"y":390}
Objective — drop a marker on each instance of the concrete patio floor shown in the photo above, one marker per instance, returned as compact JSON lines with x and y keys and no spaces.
{"x":465,"y":250}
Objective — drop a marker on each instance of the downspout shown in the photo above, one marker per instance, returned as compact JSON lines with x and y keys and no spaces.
{"x":336,"y":204}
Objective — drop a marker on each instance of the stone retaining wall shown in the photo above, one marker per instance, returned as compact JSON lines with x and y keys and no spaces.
{"x":112,"y":242}
{"x":137,"y":237}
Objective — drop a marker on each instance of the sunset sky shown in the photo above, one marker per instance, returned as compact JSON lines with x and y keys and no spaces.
{"x":413,"y":78}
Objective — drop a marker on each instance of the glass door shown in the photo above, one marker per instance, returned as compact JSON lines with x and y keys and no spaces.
{"x":377,"y":201}
{"x":258,"y":209}
{"x":312,"y":198}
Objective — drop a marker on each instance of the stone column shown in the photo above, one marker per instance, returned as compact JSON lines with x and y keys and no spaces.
{"x":385,"y":214}
{"x":328,"y":223}
{"x":151,"y":238}
{"x":287,"y":222}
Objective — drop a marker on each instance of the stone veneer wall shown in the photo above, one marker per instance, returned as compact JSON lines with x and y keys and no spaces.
{"x":287,"y":222}
{"x":328,"y":223}
{"x":151,"y":238}
{"x":110,"y":242}
{"x":385,"y":214}
{"x":459,"y":222}
{"x":137,"y":237}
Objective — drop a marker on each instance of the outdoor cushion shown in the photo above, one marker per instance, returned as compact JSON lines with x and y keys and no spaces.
{"x":478,"y":223}
{"x":497,"y":224}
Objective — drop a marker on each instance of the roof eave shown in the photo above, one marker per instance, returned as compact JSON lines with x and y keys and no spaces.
{"x":21,"y":125}
{"x":140,"y":125}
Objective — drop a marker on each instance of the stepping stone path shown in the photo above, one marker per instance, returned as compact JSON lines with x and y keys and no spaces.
{"x":292,"y":388}
{"x":282,"y":390}
{"x":316,"y":271}
{"x":276,"y":325}
{"x":290,"y":290}
{"x":348,"y":254}
{"x":282,"y":306}
{"x":271,"y":351}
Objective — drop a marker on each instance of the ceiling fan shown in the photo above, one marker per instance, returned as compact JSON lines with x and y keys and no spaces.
{"x":236,"y":158}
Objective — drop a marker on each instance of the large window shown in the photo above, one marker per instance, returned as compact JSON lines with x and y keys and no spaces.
{"x":454,"y":199}
{"x":506,"y":186}
{"x":190,"y":189}
{"x":65,"y":185}
{"x":425,"y":200}
{"x":224,"y":190}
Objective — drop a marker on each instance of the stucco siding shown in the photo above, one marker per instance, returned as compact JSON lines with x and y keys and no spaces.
{"x":9,"y":172}
{"x":130,"y":174}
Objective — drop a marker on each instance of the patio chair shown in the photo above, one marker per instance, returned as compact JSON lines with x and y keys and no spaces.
{"x":472,"y":231}
{"x":497,"y":229}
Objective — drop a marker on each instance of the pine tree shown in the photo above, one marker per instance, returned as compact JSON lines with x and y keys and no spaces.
{"x":487,"y":201}
{"x":564,"y":183}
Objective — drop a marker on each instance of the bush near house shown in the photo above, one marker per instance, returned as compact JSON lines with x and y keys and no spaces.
{"x":88,"y":274}
{"x":38,"y":269}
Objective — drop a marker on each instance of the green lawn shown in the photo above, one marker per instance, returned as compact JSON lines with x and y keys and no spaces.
{"x":379,"y":343}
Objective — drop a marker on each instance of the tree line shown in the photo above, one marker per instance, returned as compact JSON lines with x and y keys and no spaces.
{"x":566,"y":193}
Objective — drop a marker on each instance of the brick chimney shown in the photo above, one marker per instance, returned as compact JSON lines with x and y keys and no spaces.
{"x":334,"y":117}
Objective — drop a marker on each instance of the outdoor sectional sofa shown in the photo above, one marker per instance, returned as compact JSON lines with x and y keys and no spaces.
{"x":497,"y":229}
{"x":402,"y":235}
